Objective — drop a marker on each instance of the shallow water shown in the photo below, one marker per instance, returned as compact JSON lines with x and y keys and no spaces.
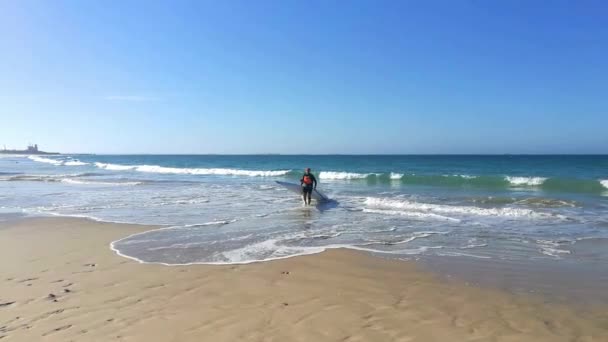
{"x":228,"y":209}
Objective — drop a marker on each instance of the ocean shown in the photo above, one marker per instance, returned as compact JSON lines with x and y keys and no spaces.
{"x":227,"y":209}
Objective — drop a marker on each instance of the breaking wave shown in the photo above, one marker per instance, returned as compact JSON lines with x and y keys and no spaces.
{"x":76,"y":178}
{"x":526,"y":181}
{"x":392,"y":206}
{"x":45,"y":160}
{"x":191,"y":171}
{"x":395,"y":176}
{"x":88,"y":182}
{"x":531,"y":183}
{"x":58,"y":162}
{"x":74,"y":163}
{"x":411,"y":214}
{"x":343,"y":175}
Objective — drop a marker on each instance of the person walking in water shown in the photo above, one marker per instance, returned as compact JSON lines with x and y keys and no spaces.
{"x":308,"y":183}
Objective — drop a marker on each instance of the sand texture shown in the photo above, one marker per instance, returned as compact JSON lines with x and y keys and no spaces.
{"x":61,"y":282}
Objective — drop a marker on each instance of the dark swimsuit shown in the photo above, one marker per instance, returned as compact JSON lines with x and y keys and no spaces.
{"x":307,"y":188}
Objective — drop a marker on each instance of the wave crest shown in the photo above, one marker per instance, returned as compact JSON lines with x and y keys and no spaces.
{"x":68,"y":179}
{"x":416,"y":207}
{"x":191,"y":171}
{"x":395,"y":175}
{"x":343,"y":175}
{"x":525,"y":181}
{"x":87,"y":182}
{"x":75,"y":163}
{"x":57,"y":162}
{"x":45,"y":160}
{"x":114,"y":167}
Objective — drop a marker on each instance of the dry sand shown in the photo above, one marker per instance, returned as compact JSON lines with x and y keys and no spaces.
{"x":338,"y":295}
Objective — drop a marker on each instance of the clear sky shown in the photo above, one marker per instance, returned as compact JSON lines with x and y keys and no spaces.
{"x":305,"y":76}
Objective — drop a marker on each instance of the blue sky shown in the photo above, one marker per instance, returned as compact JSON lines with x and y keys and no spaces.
{"x":305,"y":76}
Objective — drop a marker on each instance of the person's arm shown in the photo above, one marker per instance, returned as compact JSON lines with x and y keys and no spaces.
{"x":301,"y":180}
{"x":314,"y":180}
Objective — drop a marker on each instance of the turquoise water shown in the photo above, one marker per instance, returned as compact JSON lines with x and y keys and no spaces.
{"x":228,"y":209}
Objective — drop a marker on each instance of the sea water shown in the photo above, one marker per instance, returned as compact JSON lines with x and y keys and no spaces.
{"x":217,"y":209}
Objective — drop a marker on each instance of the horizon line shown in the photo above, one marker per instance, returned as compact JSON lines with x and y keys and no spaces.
{"x":336,"y":154}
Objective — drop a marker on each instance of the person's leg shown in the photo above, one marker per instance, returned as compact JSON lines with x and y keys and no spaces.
{"x":309,"y":195}
{"x":304,"y":195}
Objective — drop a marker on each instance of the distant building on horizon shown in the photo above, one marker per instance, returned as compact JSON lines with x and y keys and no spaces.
{"x":31,"y":149}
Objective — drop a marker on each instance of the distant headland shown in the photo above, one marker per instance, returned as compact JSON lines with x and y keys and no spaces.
{"x":31,"y":149}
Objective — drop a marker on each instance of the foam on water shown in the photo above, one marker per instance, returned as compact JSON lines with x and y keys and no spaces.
{"x":74,"y":163}
{"x":43,"y":178}
{"x":212,"y":223}
{"x":343,"y":175}
{"x":266,"y":250}
{"x":58,"y":162}
{"x":460,"y":254}
{"x":474,"y":245}
{"x":412,"y":214}
{"x":406,"y":205}
{"x":89,"y":182}
{"x":115,"y":167}
{"x":461,"y":176}
{"x":553,"y":248}
{"x":45,"y":160}
{"x":191,"y":171}
{"x":525,"y":181}
{"x":395,"y":175}
{"x":412,"y":237}
{"x":400,"y":206}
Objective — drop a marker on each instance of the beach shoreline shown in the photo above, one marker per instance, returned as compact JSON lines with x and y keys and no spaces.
{"x":61,"y":282}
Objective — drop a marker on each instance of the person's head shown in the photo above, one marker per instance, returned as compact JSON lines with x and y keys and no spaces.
{"x":307,"y":170}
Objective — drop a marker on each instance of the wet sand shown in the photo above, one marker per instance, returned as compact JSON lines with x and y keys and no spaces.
{"x":61,"y":282}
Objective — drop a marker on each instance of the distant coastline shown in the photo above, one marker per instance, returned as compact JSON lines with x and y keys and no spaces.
{"x":31,"y":149}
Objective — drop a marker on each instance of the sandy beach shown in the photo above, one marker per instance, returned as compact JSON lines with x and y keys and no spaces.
{"x":62,"y":282}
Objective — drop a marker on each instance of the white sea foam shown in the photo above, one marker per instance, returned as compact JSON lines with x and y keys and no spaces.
{"x":418,"y":215}
{"x":45,"y":160}
{"x":416,"y":207}
{"x":461,"y":176}
{"x":414,"y":236}
{"x":177,"y":246}
{"x":552,"y":248}
{"x":604,"y":183}
{"x":75,"y":163}
{"x":214,"y":171}
{"x":71,"y":162}
{"x":191,"y":171}
{"x":447,"y":253}
{"x":270,"y":249}
{"x":196,"y":200}
{"x":554,"y":252}
{"x":42,"y":178}
{"x":115,"y":167}
{"x":211,"y":223}
{"x":474,"y":245}
{"x":525,"y":181}
{"x":88,"y":182}
{"x":396,"y":175}
{"x":343,"y":175}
